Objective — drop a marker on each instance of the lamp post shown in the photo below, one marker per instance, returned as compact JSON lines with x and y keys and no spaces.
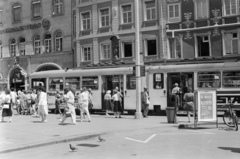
{"x":138,"y":114}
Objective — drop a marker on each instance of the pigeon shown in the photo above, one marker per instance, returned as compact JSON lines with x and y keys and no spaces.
{"x":101,"y":139}
{"x":73,"y":148}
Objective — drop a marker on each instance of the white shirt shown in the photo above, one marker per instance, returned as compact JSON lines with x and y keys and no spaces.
{"x":13,"y":96}
{"x":84,"y":98}
{"x":42,"y":98}
{"x":70,"y":97}
{"x":115,"y":97}
{"x":175,"y":90}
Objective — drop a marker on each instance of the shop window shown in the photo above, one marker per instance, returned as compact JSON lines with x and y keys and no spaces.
{"x":73,"y":82}
{"x":90,"y":82}
{"x":131,"y":82}
{"x":158,"y":81}
{"x":55,"y":84}
{"x":231,"y":79}
{"x":209,"y":79}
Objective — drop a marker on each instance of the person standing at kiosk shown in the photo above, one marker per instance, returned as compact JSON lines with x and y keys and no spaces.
{"x":176,"y":93}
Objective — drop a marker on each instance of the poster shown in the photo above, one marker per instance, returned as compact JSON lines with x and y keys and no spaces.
{"x":207,"y":106}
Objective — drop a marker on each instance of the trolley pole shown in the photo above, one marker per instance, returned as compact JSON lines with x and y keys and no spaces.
{"x":138,"y":114}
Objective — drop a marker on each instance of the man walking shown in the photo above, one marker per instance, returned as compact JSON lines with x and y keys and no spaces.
{"x":145,"y":102}
{"x":84,"y":100}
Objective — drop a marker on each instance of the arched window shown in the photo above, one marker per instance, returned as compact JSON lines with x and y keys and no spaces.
{"x":58,"y":41}
{"x":1,"y":55}
{"x":37,"y":44}
{"x":13,"y":47}
{"x":48,"y":42}
{"x":57,"y":6}
{"x":22,"y":46}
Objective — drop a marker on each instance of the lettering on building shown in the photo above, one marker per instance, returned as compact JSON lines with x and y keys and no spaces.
{"x":21,"y":28}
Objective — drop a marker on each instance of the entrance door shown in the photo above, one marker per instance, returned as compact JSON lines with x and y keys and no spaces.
{"x":184,"y":80}
{"x":17,"y":80}
{"x":110,"y":82}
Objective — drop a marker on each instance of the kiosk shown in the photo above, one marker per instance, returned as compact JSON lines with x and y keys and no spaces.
{"x":205,"y":106}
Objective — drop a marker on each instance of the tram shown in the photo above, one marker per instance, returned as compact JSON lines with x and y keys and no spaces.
{"x":224,"y":77}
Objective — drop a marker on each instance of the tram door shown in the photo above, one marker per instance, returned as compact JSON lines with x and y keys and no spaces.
{"x":110,"y":82}
{"x":184,"y":80}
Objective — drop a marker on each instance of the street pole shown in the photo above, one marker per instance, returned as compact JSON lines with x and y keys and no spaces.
{"x":138,"y":114}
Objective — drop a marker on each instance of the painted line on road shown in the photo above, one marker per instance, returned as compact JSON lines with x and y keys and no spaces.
{"x":148,"y":139}
{"x":201,"y":132}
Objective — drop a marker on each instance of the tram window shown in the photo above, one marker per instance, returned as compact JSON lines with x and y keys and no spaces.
{"x":231,"y":79}
{"x":209,"y":79}
{"x":90,"y":82}
{"x":55,"y":84}
{"x":73,"y":82}
{"x":158,"y":81}
{"x":131,"y":82}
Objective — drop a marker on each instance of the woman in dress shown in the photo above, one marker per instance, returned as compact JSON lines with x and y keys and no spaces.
{"x":42,"y":104}
{"x":107,"y":102}
{"x":189,"y":104}
{"x":117,"y":105}
{"x":7,"y":111}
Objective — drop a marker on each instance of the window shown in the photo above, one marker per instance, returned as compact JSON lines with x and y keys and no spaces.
{"x":73,"y":81}
{"x":58,"y":41}
{"x":1,"y":51}
{"x":86,"y":23}
{"x":22,"y":46}
{"x":90,"y":82}
{"x":104,"y":18}
{"x":201,"y":9}
{"x":231,"y":7}
{"x":57,"y":6}
{"x":1,"y":16}
{"x":158,"y":81}
{"x":13,"y":47}
{"x":16,"y":11}
{"x":37,"y":44}
{"x":231,"y":43}
{"x":86,"y":54}
{"x":209,"y":79}
{"x":127,"y":49}
{"x":150,"y":10}
{"x":175,"y":48}
{"x":231,"y":79}
{"x":151,"y":47}
{"x":55,"y":84}
{"x":48,"y":43}
{"x":203,"y":46}
{"x":127,"y":14}
{"x":106,"y":51}
{"x":36,"y":9}
{"x":173,"y":12}
{"x":131,"y":82}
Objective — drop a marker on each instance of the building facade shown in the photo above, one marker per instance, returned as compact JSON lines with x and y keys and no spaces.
{"x":35,"y":35}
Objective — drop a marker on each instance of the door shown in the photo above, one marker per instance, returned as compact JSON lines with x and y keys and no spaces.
{"x":184,"y":80}
{"x":110,"y":82}
{"x":130,"y":92}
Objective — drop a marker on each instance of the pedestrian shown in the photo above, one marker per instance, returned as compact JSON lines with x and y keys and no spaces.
{"x":29,"y":102}
{"x":33,"y":102}
{"x":189,"y":104}
{"x":107,"y":102}
{"x":145,"y":102}
{"x":57,"y":103}
{"x":42,"y":104}
{"x":84,"y":100}
{"x":69,"y":109}
{"x":7,"y":110}
{"x":13,"y":95}
{"x":23,"y":103}
{"x":90,"y":102}
{"x":176,"y":93}
{"x":116,"y":102}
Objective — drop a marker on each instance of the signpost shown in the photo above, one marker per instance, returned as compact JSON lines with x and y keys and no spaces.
{"x":205,"y":106}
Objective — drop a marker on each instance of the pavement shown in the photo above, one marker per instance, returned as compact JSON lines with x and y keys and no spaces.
{"x":26,"y":132}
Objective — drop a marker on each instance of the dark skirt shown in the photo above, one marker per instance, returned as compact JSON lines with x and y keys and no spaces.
{"x":107,"y":105}
{"x":117,"y":106}
{"x":7,"y":112}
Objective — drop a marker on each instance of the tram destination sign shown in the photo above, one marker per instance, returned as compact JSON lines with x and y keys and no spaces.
{"x":142,"y":71}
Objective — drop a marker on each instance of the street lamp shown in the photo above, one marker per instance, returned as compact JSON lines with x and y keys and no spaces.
{"x":138,"y":114}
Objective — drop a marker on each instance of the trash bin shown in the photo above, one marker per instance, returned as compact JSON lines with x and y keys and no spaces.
{"x":170,"y":111}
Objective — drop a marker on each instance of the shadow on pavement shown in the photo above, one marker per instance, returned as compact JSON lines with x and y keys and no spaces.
{"x":236,"y":150}
{"x":226,"y":129}
{"x":88,"y":145}
{"x":37,"y":122}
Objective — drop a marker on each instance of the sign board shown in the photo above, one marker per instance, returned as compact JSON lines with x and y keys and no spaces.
{"x":206,"y":105}
{"x":142,"y":71}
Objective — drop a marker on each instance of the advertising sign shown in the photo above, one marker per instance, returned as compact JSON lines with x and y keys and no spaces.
{"x":207,"y":109}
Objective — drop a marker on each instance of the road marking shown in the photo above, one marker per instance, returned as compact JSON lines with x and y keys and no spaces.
{"x":148,"y":139}
{"x":200,"y":132}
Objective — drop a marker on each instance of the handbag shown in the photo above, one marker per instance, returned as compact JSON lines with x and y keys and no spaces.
{"x":5,"y":106}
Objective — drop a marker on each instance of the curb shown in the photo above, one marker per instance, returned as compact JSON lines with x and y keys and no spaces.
{"x":51,"y":142}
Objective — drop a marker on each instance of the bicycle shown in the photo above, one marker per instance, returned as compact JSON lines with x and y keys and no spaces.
{"x":229,"y":117}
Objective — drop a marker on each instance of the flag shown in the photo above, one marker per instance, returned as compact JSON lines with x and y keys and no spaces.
{"x":23,"y":73}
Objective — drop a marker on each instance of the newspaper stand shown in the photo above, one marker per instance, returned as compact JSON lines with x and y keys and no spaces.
{"x":205,"y":106}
